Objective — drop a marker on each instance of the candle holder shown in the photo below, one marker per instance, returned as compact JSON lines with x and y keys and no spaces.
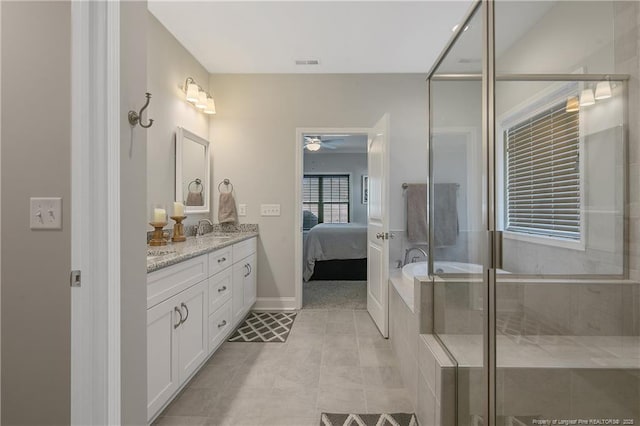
{"x":178,"y":229}
{"x":157,"y":239}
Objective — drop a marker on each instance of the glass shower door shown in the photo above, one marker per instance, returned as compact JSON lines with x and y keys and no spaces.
{"x":458,"y":219}
{"x":567,"y":329}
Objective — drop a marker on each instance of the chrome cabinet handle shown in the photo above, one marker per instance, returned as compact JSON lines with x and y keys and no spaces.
{"x":380,"y":235}
{"x":182,"y":305}
{"x":222,"y":259}
{"x":250,"y":268}
{"x":246,"y":265}
{"x":222,"y":324}
{"x":223,"y":288}
{"x":179,"y":313}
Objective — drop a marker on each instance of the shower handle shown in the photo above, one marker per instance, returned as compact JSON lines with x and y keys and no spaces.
{"x":495,"y":249}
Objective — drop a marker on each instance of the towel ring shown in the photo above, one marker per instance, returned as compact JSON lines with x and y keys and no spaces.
{"x":198,"y":182}
{"x":227,"y":183}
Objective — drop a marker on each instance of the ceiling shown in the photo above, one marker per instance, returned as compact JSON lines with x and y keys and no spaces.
{"x":344,"y":36}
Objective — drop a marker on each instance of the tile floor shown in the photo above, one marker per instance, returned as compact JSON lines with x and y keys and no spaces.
{"x":333,"y":361}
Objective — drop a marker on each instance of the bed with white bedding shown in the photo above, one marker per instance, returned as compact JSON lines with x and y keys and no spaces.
{"x":334,"y":242}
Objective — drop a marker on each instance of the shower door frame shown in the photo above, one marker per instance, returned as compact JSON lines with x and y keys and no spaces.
{"x":493,"y":261}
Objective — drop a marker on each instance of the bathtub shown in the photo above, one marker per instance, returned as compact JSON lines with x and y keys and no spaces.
{"x":419,"y":269}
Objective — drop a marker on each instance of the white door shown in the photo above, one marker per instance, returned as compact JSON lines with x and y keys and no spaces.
{"x":378,"y":228}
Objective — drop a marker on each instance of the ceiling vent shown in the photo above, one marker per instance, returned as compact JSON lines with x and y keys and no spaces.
{"x":307,"y":62}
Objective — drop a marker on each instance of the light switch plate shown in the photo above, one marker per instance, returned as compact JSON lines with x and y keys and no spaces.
{"x":45,"y":213}
{"x":269,"y":209}
{"x":242,"y":209}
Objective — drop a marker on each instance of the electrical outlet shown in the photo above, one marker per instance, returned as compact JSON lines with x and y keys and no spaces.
{"x":269,"y":209}
{"x":242,"y":209}
{"x":45,"y":213}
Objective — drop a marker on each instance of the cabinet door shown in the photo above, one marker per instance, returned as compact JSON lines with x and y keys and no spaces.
{"x":192,"y":333}
{"x":162,"y":354}
{"x":250,"y":282}
{"x":237,"y":296}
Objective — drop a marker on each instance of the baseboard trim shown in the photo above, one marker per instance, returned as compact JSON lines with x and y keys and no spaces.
{"x":275,"y":304}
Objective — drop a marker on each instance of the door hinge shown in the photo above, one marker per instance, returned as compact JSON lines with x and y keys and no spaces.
{"x":76,"y":278}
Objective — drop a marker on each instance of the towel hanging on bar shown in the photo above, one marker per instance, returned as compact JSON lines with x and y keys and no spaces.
{"x":417,"y":231}
{"x":445,"y":214}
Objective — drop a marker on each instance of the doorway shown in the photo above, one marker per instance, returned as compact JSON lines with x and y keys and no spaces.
{"x":333,"y":209}
{"x":331,"y":168}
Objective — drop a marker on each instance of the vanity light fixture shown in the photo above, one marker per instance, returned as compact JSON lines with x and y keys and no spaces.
{"x":211,"y":106}
{"x":192,"y":91}
{"x":573,"y":104}
{"x":197,"y":96}
{"x":586,"y":98}
{"x":201,"y":103}
{"x":603,"y":90}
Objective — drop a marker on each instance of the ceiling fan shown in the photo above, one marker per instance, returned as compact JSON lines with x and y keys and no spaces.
{"x":314,"y":143}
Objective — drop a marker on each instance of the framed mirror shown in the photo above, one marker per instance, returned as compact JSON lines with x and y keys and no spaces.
{"x":193,"y":178}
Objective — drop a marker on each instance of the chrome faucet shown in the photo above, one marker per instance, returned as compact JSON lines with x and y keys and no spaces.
{"x":200,"y":228}
{"x":413,"y":259}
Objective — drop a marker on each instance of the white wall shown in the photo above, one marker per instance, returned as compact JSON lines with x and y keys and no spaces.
{"x":254,"y":141}
{"x":168,"y":65}
{"x":353,"y":164}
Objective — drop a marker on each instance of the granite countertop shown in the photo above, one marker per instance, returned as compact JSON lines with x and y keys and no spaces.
{"x":163,"y":256}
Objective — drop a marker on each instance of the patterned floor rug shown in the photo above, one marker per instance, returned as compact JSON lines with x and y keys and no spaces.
{"x":264,"y":327}
{"x":385,"y":419}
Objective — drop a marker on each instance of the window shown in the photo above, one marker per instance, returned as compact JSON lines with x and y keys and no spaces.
{"x":325,"y":199}
{"x":543,"y":175}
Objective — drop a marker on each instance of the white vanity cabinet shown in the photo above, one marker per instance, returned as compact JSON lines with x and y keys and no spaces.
{"x":177,"y":342}
{"x":193,"y":345}
{"x":191,"y":310}
{"x":244,"y":278}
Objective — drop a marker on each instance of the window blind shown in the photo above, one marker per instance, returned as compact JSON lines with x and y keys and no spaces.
{"x":325,"y":198}
{"x":543,"y":175}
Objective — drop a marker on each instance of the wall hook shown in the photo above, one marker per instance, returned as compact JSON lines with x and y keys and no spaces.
{"x":136,"y":117}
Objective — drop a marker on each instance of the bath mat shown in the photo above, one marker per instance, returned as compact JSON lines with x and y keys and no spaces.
{"x":264,"y":327}
{"x":385,"y":419}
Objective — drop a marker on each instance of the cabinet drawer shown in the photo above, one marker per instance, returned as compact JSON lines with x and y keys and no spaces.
{"x":220,"y":286}
{"x":219,"y":325}
{"x":244,"y":249}
{"x":220,"y":259}
{"x":171,"y":280}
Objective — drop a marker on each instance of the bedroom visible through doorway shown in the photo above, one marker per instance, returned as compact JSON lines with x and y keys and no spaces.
{"x":334,"y":220}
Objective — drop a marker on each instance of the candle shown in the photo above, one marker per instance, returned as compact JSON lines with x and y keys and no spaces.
{"x":178,"y":209}
{"x":159,"y":215}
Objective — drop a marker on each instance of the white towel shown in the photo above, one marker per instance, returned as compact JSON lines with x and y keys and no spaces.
{"x":227,"y":209}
